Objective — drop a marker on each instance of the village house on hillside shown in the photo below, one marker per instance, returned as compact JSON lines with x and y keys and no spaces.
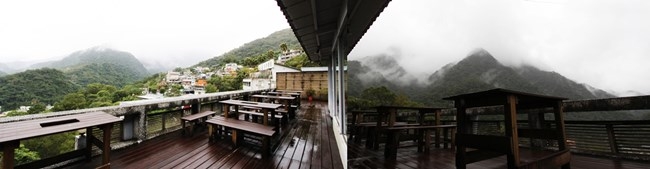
{"x":285,"y":56}
{"x":266,"y":76}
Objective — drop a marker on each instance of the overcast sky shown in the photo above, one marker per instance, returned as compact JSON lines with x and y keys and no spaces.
{"x":604,"y":43}
{"x":170,"y":32}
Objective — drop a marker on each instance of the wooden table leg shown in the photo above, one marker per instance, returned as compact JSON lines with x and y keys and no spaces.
{"x":183,"y":124}
{"x":89,"y":144}
{"x":8,"y":150}
{"x":266,"y":147}
{"x":392,"y":143}
{"x":210,"y":133}
{"x":427,"y":140}
{"x":106,"y":150}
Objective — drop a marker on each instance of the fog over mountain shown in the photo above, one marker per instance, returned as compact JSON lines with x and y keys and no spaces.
{"x":478,"y":71}
{"x":603,"y":43}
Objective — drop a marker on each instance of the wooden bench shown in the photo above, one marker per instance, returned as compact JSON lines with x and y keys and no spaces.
{"x":194,"y":118}
{"x":373,"y":133}
{"x":423,"y":136}
{"x":238,"y":128}
{"x":258,"y":115}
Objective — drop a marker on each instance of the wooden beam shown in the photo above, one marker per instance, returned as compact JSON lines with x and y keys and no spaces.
{"x":94,"y":140}
{"x":8,"y":150}
{"x":620,"y":103}
{"x":548,"y":134}
{"x":106,"y":148}
{"x":510,"y":118}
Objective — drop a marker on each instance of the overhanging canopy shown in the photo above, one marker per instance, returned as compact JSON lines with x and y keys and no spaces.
{"x":319,"y":23}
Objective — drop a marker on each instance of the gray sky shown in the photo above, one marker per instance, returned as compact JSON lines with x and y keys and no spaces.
{"x":170,"y":32}
{"x":604,"y":43}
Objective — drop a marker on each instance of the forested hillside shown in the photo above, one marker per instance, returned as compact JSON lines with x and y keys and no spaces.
{"x":255,"y":48}
{"x":478,"y":71}
{"x":100,"y":65}
{"x":43,"y":85}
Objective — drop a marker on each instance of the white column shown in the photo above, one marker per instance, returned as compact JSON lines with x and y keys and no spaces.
{"x":334,"y":87}
{"x":341,"y":57}
{"x":330,"y":88}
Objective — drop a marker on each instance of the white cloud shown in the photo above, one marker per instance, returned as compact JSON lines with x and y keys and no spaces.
{"x":182,"y":32}
{"x":603,"y":43}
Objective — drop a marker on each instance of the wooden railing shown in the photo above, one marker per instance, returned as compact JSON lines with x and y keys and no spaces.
{"x":149,"y":125}
{"x":629,"y":139}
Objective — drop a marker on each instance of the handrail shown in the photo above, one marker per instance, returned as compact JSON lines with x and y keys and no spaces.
{"x":144,"y":129}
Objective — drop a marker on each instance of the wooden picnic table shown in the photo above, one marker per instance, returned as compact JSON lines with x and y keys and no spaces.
{"x":488,"y":146}
{"x":423,"y":138}
{"x":297,"y":95}
{"x":12,"y":133}
{"x":286,"y":101}
{"x":267,"y":108}
{"x":389,"y":116}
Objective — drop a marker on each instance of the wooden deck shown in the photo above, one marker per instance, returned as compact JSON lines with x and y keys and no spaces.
{"x":308,"y":143}
{"x":409,"y":158}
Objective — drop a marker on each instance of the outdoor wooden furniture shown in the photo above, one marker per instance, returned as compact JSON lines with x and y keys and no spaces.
{"x":358,"y":117}
{"x":195,"y":118}
{"x":268,"y":109}
{"x":255,"y":116}
{"x":12,"y":133}
{"x":286,"y":101}
{"x":294,"y":93}
{"x":493,"y":146}
{"x":238,"y":128}
{"x":389,"y":116}
{"x":423,"y":137}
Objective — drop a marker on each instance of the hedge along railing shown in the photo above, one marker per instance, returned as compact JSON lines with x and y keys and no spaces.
{"x":146,"y":126}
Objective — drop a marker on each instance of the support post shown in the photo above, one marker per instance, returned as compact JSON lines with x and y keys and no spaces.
{"x":106,"y":150}
{"x":8,"y":150}
{"x":510,"y":114}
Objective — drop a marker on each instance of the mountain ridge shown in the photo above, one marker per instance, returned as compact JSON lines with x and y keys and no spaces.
{"x":254,"y":48}
{"x":99,"y":65}
{"x":478,"y":71}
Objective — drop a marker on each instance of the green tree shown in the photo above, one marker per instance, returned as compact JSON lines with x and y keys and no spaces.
{"x":210,"y":88}
{"x":37,"y":107}
{"x":300,"y":61}
{"x":51,"y":145}
{"x":16,"y":113}
{"x":284,"y":47}
{"x":24,"y":155}
{"x":71,"y":101}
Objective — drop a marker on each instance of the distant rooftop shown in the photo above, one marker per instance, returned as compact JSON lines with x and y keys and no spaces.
{"x":318,"y":69}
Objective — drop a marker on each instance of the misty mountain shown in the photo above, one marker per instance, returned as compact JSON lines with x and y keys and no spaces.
{"x":5,"y":69}
{"x":2,"y":73}
{"x":255,"y":47}
{"x":388,"y":68}
{"x":44,"y":85}
{"x":478,"y":71}
{"x":99,"y":65}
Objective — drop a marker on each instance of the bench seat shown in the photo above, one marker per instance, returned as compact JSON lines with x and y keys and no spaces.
{"x":194,"y":118}
{"x":238,"y":128}
{"x":423,"y":137}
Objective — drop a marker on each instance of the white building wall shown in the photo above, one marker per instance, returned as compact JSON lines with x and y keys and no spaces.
{"x":280,"y":69}
{"x":257,"y":84}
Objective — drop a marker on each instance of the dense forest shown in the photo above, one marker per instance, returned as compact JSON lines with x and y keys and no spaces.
{"x":44,"y":85}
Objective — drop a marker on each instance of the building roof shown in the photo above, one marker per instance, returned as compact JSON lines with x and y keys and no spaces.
{"x":318,"y":69}
{"x":318,"y":24}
